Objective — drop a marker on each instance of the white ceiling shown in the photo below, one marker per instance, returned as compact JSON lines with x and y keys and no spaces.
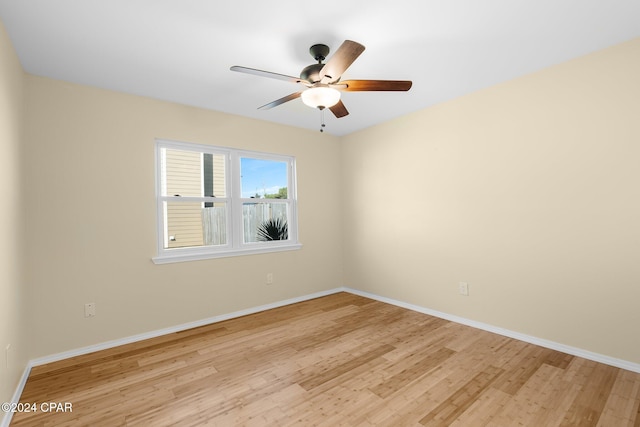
{"x":181,"y":50}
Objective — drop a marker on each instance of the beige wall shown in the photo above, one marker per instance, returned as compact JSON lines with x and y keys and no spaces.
{"x":92,"y":218}
{"x":12,"y":290}
{"x":528,"y":190}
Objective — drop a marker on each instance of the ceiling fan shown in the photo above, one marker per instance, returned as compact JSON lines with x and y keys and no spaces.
{"x":322,"y":81}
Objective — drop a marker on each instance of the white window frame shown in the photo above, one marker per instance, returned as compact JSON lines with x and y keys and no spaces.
{"x":235,"y":245}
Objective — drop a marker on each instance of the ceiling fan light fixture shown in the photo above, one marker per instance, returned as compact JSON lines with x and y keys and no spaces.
{"x":320,"y":97}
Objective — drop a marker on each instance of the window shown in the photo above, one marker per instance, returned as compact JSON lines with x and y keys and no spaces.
{"x":216,"y":202}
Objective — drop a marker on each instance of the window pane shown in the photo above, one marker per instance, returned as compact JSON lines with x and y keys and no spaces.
{"x":190,"y":224}
{"x":193,"y":174}
{"x":219,"y":201}
{"x":263,"y":178}
{"x":265,"y":221}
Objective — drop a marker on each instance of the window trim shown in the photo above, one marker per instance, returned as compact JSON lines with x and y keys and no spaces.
{"x":235,"y":245}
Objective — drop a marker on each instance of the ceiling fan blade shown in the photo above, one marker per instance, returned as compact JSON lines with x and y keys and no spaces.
{"x":375,"y":85}
{"x":269,"y":74}
{"x":340,"y":61}
{"x":339,"y":110}
{"x":280,"y":101}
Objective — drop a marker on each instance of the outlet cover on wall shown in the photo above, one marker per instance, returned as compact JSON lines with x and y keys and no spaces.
{"x":90,"y":309}
{"x":463,"y":288}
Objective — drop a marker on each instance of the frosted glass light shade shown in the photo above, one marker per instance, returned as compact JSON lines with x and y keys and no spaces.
{"x":320,"y":96}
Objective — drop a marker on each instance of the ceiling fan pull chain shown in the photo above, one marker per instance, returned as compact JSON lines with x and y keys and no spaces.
{"x":321,"y":119}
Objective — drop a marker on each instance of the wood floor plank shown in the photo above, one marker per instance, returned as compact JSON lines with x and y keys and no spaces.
{"x":587,"y":406}
{"x":450,"y":409}
{"x":620,"y":409}
{"x":340,"y":360}
{"x":317,"y":378}
{"x":536,"y":400}
{"x":422,"y":367}
{"x":483,"y":411}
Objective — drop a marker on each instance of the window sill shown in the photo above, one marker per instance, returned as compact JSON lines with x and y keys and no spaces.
{"x":168,"y":259}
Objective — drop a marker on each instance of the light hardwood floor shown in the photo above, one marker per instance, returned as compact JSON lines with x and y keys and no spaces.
{"x":332,"y":361}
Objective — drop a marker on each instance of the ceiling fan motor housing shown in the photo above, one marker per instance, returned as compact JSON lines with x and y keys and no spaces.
{"x":311,"y":73}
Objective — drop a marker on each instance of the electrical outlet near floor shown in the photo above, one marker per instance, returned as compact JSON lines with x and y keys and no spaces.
{"x":269,"y":278}
{"x":463,"y":288}
{"x":90,"y":309}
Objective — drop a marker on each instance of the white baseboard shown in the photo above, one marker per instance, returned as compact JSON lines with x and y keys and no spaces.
{"x":596,"y":357}
{"x":6,"y":420}
{"x":183,"y":327}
